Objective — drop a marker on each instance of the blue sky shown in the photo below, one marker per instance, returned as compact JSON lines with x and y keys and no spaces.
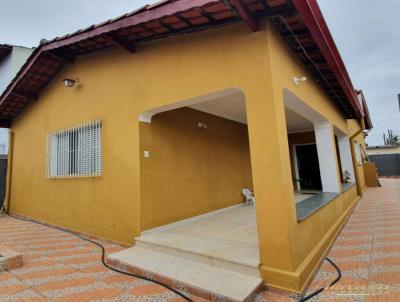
{"x":366,"y":33}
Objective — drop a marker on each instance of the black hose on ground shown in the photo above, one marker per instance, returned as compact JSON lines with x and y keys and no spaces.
{"x":103,"y":254}
{"x":318,"y":291}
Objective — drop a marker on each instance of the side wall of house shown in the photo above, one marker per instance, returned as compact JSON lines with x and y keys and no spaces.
{"x":19,"y":56}
{"x":6,"y":70}
{"x":191,"y":170}
{"x":12,"y":64}
{"x":9,"y":67}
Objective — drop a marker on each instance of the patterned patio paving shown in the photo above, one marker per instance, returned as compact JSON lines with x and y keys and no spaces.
{"x":61,"y":267}
{"x":367,"y":251}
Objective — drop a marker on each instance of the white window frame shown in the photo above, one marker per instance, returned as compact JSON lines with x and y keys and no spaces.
{"x":75,"y":152}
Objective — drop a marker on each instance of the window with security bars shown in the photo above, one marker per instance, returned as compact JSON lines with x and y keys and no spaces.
{"x":75,"y":152}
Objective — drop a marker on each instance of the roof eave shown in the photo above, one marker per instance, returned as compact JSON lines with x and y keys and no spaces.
{"x":307,"y":10}
{"x":365,"y":111}
{"x":312,"y":17}
{"x":163,"y":10}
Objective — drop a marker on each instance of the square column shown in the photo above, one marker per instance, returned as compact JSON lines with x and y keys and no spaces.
{"x":273,"y":186}
{"x":328,"y":165}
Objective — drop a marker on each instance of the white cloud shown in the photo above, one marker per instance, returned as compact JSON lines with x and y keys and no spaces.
{"x":368,"y":37}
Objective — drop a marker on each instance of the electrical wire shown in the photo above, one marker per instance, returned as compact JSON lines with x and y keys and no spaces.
{"x":162,"y":284}
{"x":318,"y":291}
{"x":300,"y":45}
{"x":103,"y":260}
{"x":103,"y":254}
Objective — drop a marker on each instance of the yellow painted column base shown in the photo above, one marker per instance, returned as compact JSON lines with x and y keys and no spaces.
{"x":298,"y":281}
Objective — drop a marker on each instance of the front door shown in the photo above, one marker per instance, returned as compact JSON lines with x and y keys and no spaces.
{"x":308,"y":165}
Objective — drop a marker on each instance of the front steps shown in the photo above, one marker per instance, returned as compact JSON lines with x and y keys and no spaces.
{"x":217,"y":253}
{"x":191,"y":273}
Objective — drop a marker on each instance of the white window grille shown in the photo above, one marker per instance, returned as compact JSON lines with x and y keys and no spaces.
{"x":75,"y":152}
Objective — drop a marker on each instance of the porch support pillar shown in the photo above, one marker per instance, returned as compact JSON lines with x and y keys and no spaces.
{"x":328,"y":165}
{"x":345,"y":156}
{"x":273,"y":187}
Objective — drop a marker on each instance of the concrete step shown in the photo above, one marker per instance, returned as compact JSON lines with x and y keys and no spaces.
{"x":201,"y":279}
{"x":216,"y":253}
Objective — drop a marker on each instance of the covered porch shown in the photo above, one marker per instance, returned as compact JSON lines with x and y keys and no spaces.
{"x":197,"y":229}
{"x":226,"y":238}
{"x":196,"y":158}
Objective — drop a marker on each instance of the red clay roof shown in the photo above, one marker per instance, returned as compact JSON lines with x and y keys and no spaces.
{"x":366,"y":115}
{"x":299,"y":21}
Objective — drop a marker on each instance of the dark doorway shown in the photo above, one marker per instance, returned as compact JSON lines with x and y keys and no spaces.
{"x":308,"y":165}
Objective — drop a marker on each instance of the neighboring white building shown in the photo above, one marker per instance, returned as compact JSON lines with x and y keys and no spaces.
{"x":379,"y":150}
{"x":11,"y":60}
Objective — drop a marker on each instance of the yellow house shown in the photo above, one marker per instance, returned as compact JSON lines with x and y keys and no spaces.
{"x":145,"y":129}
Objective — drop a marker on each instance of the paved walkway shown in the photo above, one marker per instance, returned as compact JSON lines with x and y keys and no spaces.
{"x":368,"y":250}
{"x":61,"y":267}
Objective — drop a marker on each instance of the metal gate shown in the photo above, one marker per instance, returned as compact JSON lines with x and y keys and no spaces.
{"x":387,"y":164}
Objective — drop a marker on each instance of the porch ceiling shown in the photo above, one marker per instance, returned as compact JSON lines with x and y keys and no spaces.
{"x":232,"y":107}
{"x":299,"y":21}
{"x":297,"y":123}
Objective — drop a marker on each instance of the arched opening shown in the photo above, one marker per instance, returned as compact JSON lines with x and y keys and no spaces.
{"x":195,"y":162}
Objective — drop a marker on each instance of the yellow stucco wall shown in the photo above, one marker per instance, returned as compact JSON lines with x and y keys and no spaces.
{"x":359,"y":167}
{"x":357,"y":137}
{"x":116,"y":87}
{"x":191,"y":170}
{"x":310,"y":238}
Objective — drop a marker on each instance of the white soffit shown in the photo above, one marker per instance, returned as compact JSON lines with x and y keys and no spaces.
{"x":232,"y":107}
{"x":297,"y":123}
{"x":229,"y":103}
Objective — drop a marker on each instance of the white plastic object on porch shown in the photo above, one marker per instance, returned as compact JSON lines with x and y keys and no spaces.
{"x":250,"y":199}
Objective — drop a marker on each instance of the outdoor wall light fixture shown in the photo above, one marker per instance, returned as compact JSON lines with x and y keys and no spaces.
{"x":70,"y":82}
{"x":202,"y":125}
{"x":298,"y":80}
